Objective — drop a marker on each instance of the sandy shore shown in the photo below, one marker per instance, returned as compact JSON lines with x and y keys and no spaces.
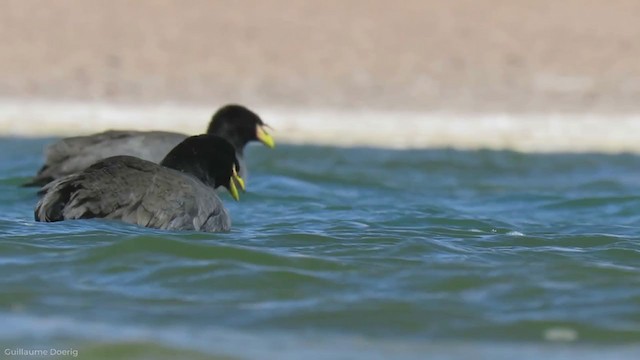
{"x":533,"y":75}
{"x":490,"y":56}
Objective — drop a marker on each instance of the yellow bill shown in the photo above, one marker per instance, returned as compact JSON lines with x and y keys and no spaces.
{"x":236,"y":177}
{"x":234,"y":183}
{"x":264,"y":136}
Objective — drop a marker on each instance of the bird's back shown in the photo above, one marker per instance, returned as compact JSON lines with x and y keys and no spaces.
{"x":137,"y":192}
{"x":74,"y":154}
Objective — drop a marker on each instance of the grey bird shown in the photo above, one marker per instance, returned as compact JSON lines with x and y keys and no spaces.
{"x":177,"y":194}
{"x":235,"y":123}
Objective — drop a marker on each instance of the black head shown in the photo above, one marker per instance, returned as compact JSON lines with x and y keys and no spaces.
{"x":209,"y":158}
{"x":239,"y":126}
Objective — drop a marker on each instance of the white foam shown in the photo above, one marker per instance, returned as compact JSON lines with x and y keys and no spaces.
{"x":515,"y":233}
{"x":530,"y":132}
{"x":561,"y":334}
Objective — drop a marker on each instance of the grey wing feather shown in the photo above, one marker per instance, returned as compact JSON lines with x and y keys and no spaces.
{"x":137,"y":192}
{"x":104,"y":191}
{"x":180,"y":202}
{"x":74,"y":154}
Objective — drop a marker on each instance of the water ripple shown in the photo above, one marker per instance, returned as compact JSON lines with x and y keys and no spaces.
{"x":397,"y":245}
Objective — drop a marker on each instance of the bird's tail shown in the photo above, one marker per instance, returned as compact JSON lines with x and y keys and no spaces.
{"x":55,"y":197}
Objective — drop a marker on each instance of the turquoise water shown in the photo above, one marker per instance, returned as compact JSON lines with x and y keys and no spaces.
{"x":343,"y":253}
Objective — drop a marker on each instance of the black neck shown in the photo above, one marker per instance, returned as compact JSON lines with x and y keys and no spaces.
{"x":208,"y":158}
{"x":232,"y":136}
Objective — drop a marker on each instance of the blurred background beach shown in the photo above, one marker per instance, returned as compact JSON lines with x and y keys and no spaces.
{"x":358,"y":252}
{"x":525,"y":75}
